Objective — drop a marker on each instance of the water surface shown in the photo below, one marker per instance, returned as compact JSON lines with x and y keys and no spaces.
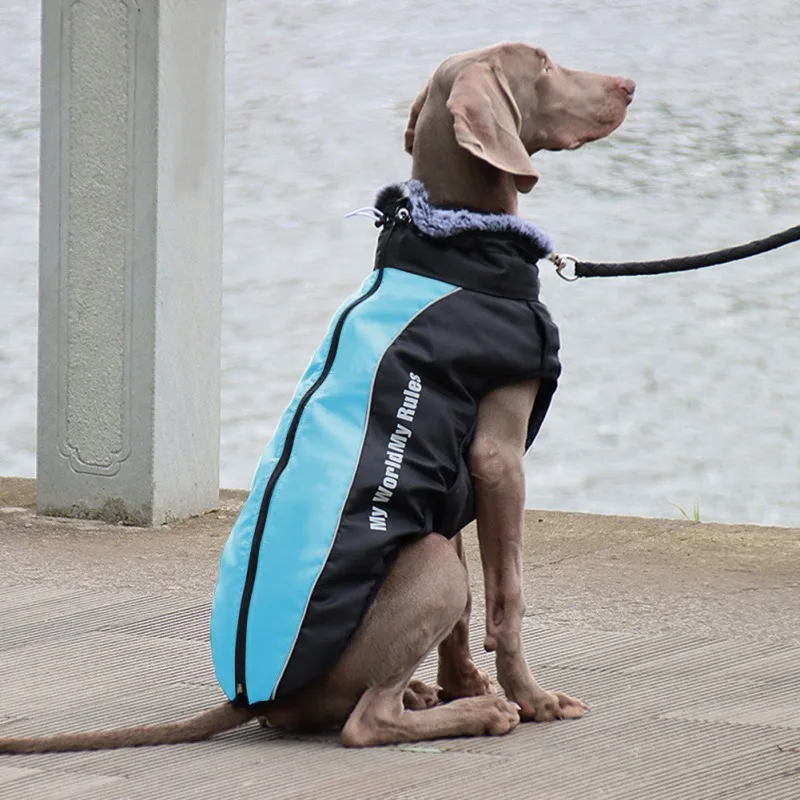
{"x":675,"y":388}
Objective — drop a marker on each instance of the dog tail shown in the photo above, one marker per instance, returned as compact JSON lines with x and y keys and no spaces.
{"x":193,"y":729}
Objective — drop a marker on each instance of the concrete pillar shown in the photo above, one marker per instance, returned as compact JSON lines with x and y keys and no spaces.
{"x":130,"y":258}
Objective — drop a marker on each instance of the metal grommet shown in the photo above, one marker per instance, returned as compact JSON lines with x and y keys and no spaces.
{"x":402,"y":215}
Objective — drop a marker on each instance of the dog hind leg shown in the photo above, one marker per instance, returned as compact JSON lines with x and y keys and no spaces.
{"x":422,"y":599}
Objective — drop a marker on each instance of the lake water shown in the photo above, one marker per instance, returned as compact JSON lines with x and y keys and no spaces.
{"x":675,"y":389}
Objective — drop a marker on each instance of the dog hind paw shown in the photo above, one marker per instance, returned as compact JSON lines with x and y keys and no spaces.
{"x":502,"y":717}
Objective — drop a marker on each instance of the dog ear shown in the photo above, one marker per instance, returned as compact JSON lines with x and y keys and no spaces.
{"x":487,"y":121}
{"x":413,"y":116}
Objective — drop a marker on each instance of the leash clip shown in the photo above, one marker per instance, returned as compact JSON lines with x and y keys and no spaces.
{"x":562,"y":262}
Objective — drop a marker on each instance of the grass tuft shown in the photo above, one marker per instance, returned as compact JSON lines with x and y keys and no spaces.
{"x":695,"y":511}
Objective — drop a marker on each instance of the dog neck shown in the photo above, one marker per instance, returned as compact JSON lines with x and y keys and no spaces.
{"x":439,"y":222}
{"x":472,"y":184}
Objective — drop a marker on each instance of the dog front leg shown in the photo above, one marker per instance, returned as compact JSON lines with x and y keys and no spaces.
{"x":499,"y":480}
{"x":458,"y":676}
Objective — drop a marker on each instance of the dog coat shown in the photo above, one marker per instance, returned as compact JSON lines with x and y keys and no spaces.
{"x":372,"y":450}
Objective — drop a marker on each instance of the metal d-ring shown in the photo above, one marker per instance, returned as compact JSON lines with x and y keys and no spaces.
{"x":562,"y":261}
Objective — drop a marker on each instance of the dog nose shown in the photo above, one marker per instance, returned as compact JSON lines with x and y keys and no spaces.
{"x":627,"y":86}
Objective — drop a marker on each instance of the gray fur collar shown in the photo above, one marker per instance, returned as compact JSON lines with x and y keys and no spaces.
{"x":440,"y":223}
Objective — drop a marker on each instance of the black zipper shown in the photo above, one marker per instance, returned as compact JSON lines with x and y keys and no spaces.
{"x":247,"y":593}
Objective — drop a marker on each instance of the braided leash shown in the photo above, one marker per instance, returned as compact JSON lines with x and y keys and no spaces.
{"x":590,"y":269}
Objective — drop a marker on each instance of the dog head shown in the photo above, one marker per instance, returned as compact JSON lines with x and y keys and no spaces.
{"x":503,"y":103}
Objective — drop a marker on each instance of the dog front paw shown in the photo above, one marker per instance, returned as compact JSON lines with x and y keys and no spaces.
{"x":467,"y":681}
{"x":418,"y":696}
{"x":547,"y":706}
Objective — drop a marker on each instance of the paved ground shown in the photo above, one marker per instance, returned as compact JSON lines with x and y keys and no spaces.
{"x":684,"y":638}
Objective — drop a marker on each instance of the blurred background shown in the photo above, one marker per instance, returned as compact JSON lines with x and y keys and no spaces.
{"x":676,"y":389}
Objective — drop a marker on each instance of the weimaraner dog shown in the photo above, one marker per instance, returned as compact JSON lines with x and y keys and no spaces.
{"x":471,"y":132}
